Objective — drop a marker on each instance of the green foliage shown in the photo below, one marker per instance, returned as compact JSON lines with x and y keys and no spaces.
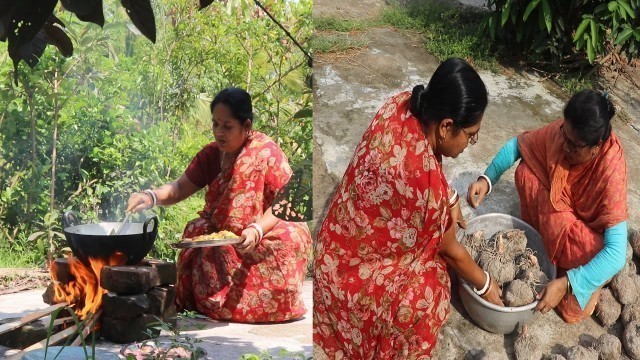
{"x":131,"y":114}
{"x":560,"y":28}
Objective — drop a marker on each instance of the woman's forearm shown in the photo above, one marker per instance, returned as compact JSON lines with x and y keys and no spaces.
{"x":608,"y":262}
{"x":176,"y":191}
{"x":503,"y":161}
{"x":268,"y":221}
{"x":459,"y":259}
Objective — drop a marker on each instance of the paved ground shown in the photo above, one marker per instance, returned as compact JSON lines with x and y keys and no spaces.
{"x":349,"y":91}
{"x":221,"y":340}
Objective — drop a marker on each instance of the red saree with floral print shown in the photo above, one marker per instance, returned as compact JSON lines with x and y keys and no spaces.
{"x":266,"y":284}
{"x":381,"y":290}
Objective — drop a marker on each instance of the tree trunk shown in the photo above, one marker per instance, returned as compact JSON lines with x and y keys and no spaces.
{"x":52,"y":186}
{"x":34,"y":157}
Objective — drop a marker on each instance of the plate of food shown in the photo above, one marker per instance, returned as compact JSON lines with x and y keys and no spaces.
{"x":214,"y":239}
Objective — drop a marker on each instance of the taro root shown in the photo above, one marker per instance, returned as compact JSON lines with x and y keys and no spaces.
{"x":581,"y":353}
{"x":474,"y":243}
{"x":631,"y":339}
{"x":607,"y":308}
{"x":609,"y":346}
{"x":514,"y":240}
{"x":625,"y":288}
{"x":484,"y":355}
{"x":629,"y":268}
{"x":629,"y":251}
{"x":518,"y":293}
{"x":631,"y":313}
{"x":498,"y":263}
{"x":554,"y":357}
{"x":634,"y":239}
{"x":535,"y":278}
{"x":526,"y":347}
{"x":526,"y":260}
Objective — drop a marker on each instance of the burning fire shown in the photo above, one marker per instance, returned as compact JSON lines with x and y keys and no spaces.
{"x":83,"y":293}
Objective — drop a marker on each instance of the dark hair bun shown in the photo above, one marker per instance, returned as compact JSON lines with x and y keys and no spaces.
{"x":416,"y":93}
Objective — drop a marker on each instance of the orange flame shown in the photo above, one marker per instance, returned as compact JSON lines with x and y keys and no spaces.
{"x":83,"y":293}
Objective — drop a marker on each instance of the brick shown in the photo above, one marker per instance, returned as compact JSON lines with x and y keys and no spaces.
{"x":128,"y":280}
{"x":126,"y":331}
{"x":23,"y":336}
{"x":167,"y":271}
{"x":170,"y":315}
{"x":160,"y":299}
{"x":124,"y":306}
{"x":62,"y":271}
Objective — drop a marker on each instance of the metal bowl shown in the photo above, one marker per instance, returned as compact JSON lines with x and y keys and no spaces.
{"x":68,"y":353}
{"x":93,"y":240}
{"x":493,"y":318}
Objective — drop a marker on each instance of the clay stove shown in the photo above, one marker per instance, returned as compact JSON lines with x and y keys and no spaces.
{"x":129,"y":298}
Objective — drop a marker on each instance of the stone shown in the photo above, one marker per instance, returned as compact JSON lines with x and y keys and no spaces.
{"x":23,"y":336}
{"x":128,"y":280}
{"x":62,"y":271}
{"x":124,"y":307}
{"x":127,"y":331}
{"x":160,"y":299}
{"x":167,"y":271}
{"x":48,"y":294}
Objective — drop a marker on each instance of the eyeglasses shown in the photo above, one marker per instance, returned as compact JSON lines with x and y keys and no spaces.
{"x":472,"y":139}
{"x":573,"y":147}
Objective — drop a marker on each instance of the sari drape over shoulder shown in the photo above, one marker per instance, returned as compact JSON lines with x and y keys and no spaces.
{"x":570,"y":206}
{"x":381,"y":289}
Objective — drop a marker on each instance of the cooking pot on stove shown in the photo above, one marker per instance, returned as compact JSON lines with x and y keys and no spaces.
{"x":93,"y":240}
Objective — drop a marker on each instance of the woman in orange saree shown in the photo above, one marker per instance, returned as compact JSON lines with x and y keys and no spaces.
{"x":381,"y":287}
{"x":572,"y":183}
{"x":259,"y":280}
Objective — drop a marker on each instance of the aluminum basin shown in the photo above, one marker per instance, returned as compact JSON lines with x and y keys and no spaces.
{"x":493,"y":318}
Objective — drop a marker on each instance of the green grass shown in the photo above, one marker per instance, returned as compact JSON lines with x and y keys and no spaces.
{"x":574,"y":82}
{"x":343,"y":25}
{"x":18,"y":257}
{"x":448,"y":30}
{"x":323,"y":43}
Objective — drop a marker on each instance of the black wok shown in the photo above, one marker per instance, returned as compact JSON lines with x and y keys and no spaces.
{"x":93,"y":240}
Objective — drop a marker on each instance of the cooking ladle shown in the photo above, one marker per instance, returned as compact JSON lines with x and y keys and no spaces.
{"x":126,"y":217}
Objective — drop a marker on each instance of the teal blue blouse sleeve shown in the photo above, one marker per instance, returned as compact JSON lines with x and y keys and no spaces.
{"x":609,"y":261}
{"x":503,"y":161}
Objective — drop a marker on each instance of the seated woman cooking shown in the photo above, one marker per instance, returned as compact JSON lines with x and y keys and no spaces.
{"x":260,"y":279}
{"x":572,"y":183}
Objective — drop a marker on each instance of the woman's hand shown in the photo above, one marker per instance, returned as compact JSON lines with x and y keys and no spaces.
{"x":479,"y":190}
{"x":249,"y":242}
{"x":551,"y":295}
{"x":494,"y":294}
{"x":456,"y":216}
{"x":138,"y":202}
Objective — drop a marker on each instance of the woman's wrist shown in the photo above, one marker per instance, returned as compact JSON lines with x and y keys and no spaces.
{"x":258,"y":228}
{"x":485,"y":288}
{"x":152,"y":196}
{"x":454,"y":198}
{"x":483,"y":176}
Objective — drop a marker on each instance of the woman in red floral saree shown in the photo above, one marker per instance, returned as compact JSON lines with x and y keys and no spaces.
{"x":381,"y":287}
{"x":259,"y":280}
